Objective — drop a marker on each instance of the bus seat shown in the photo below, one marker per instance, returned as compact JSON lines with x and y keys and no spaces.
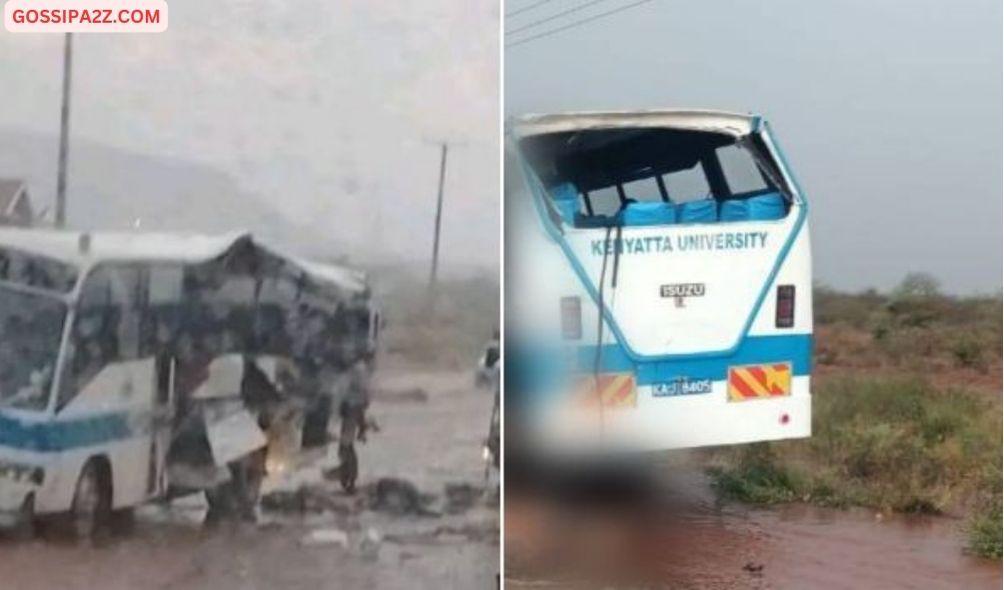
{"x":697,"y":211}
{"x":766,"y":207}
{"x":649,"y":213}
{"x":763,"y":207}
{"x":566,"y":200}
{"x":734,"y":210}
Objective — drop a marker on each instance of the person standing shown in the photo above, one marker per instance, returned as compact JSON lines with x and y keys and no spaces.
{"x":354,"y":426}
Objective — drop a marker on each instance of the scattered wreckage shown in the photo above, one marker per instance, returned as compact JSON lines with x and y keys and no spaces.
{"x":137,"y":366}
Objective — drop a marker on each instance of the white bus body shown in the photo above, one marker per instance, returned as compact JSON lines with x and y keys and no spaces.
{"x":706,"y":296}
{"x":120,"y":415}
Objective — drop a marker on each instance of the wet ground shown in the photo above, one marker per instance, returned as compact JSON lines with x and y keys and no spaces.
{"x":431,"y":427}
{"x":687,"y":540}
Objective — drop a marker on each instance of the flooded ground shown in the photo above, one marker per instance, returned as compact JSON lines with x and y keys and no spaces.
{"x":431,"y":427}
{"x":687,"y":540}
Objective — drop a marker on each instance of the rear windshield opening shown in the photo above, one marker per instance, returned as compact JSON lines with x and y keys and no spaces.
{"x":599,"y":178}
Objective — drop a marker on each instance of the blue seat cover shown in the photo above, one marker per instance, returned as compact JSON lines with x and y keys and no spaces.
{"x":697,"y":211}
{"x":734,"y":210}
{"x":649,"y":213}
{"x":566,"y":200}
{"x":766,"y":207}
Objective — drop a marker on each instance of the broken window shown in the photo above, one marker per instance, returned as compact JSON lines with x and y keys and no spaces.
{"x":31,"y":327}
{"x":106,"y":328}
{"x":687,"y":176}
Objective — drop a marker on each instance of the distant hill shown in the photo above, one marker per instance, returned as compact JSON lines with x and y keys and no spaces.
{"x":116,"y":189}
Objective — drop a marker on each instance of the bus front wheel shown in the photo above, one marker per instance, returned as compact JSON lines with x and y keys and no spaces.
{"x":91,"y":506}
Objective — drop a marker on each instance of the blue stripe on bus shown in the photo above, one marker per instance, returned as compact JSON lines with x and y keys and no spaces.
{"x":61,"y":435}
{"x":795,"y":349}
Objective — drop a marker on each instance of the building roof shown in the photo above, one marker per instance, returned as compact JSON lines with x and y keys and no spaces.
{"x":734,"y":124}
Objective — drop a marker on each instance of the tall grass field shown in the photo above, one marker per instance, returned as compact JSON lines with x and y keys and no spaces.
{"x":906,"y":413}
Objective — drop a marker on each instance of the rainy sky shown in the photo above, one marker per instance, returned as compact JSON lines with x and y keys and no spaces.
{"x":332,"y":110}
{"x":889,"y":112}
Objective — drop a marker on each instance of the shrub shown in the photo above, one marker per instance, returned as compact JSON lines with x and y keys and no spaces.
{"x":887,"y":443}
{"x":985,"y":530}
{"x":968,"y":353}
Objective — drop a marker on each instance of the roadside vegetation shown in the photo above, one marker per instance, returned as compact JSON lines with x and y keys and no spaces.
{"x":906,"y":413}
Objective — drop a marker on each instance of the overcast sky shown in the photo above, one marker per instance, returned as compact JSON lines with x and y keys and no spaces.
{"x":329,"y":109}
{"x":889,"y":112}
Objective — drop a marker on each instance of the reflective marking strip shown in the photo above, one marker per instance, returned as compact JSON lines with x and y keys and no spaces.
{"x":614,"y":390}
{"x":759,"y":381}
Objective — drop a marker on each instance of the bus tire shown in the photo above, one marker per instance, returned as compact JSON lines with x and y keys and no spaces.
{"x":90,"y":510}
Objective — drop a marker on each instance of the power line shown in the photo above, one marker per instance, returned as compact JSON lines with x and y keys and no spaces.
{"x":536,"y":23}
{"x":576,"y":23}
{"x":526,"y":8}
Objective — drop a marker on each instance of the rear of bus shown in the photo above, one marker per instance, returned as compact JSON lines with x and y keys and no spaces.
{"x":686,"y":232}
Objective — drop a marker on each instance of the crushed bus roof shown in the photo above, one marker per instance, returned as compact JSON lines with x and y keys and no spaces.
{"x":84,"y":249}
{"x":724,"y":122}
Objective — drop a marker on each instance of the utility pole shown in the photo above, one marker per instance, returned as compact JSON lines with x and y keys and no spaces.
{"x":439,"y":218}
{"x":64,"y":132}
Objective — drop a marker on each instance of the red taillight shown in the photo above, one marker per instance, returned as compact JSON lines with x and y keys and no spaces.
{"x":571,"y":318}
{"x":785,"y":314}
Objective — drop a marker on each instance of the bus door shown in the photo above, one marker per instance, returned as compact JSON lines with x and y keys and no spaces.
{"x":107,"y":387}
{"x":161,"y":323}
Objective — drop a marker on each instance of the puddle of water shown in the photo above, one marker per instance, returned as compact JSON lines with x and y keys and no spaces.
{"x":690,"y":542}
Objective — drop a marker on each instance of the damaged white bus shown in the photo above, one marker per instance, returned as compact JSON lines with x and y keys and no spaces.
{"x":142,"y":366}
{"x":658,"y":283}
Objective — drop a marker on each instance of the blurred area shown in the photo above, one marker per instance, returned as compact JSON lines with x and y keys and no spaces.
{"x":899,"y":486}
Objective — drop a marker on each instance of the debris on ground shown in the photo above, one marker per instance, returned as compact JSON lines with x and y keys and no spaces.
{"x":445,"y":534}
{"x":369,"y":544}
{"x":309,"y":499}
{"x":399,"y":497}
{"x":322,"y":537}
{"x":460,"y":497}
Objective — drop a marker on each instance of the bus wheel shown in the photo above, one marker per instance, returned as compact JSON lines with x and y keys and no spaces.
{"x":25,"y":528}
{"x":91,"y":505}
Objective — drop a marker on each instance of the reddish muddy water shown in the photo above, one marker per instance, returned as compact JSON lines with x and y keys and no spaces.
{"x":695,"y":543}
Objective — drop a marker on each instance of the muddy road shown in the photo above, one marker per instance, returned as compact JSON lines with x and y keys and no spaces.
{"x":431,"y":427}
{"x":685,"y":539}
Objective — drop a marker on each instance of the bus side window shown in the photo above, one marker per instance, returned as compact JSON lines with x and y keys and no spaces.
{"x":106,"y":328}
{"x":164,"y":301}
{"x":740,"y":169}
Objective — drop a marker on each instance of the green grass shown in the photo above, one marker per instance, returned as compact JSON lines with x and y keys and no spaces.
{"x":985,"y":530}
{"x":893,"y":444}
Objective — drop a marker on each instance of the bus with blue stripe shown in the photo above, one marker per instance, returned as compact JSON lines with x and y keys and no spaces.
{"x":658,"y":283}
{"x":106,"y":339}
